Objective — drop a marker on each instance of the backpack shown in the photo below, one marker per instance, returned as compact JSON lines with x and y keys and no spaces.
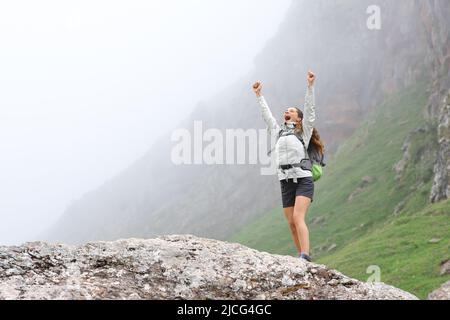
{"x":316,"y":159}
{"x":313,"y":154}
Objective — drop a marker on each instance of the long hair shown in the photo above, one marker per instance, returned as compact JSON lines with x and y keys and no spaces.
{"x":315,"y":138}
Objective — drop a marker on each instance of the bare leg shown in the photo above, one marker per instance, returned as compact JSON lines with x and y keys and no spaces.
{"x":301,"y":208}
{"x":289,"y":213}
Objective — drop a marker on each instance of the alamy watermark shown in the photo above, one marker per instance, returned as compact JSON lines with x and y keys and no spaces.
{"x":374,"y":19}
{"x":375,"y":274}
{"x":215,"y":147}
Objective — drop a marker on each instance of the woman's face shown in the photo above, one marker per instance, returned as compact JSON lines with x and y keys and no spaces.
{"x":291,"y":115}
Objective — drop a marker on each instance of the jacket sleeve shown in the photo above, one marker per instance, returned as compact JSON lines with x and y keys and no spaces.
{"x":309,"y":115}
{"x":271,"y":122}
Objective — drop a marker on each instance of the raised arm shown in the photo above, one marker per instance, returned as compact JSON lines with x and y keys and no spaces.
{"x":270,"y":120}
{"x":309,"y":113}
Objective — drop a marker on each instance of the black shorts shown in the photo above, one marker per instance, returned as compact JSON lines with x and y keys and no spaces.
{"x":290,"y":190}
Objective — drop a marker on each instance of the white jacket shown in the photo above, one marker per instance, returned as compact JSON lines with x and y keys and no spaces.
{"x":289,"y":149}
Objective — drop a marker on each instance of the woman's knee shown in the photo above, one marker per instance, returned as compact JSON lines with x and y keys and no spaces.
{"x":292,"y":225}
{"x":291,"y":221}
{"x":299,"y":221}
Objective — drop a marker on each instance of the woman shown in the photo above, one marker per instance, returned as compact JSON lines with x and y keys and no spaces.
{"x":294,"y":172}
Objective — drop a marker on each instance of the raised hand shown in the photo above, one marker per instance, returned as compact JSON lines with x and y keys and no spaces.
{"x":311,"y":78}
{"x":257,"y":87}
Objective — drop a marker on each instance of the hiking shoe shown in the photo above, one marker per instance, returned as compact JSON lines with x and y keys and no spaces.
{"x":305,"y":257}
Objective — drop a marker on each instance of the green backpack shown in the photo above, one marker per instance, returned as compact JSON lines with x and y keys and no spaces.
{"x":316,"y":159}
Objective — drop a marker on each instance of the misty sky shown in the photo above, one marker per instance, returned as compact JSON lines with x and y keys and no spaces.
{"x":87,"y":86}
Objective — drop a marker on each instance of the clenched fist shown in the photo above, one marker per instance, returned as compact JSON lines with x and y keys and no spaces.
{"x":311,"y":78}
{"x":257,"y":87}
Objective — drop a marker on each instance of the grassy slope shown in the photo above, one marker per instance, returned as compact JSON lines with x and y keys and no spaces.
{"x":402,"y":251}
{"x":372,"y":151}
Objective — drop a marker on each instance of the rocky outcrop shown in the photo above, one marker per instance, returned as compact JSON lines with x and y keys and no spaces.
{"x":445,"y":267}
{"x":171,"y":267}
{"x":434,"y":17}
{"x":400,"y":166}
{"x":362,"y":186}
{"x":441,"y":183}
{"x":443,"y":293}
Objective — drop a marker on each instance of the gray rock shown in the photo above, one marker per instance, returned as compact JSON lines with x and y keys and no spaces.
{"x":172,"y":267}
{"x":332,"y":247}
{"x":317,"y":221}
{"x":401,"y":165}
{"x":333,"y":282}
{"x":445,"y":267}
{"x":399,"y":207}
{"x":443,"y":293}
{"x":365,"y":182}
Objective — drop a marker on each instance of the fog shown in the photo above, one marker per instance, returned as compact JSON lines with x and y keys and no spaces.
{"x":86,"y":87}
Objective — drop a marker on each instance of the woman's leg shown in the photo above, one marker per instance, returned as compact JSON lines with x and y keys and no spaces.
{"x":289,"y":212}
{"x":301,"y":208}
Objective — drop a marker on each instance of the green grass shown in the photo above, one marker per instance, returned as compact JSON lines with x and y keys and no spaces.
{"x":402,"y":250}
{"x":372,"y":150}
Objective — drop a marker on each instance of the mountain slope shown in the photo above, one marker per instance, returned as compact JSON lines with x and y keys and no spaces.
{"x":367,"y":194}
{"x":356,"y":67}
